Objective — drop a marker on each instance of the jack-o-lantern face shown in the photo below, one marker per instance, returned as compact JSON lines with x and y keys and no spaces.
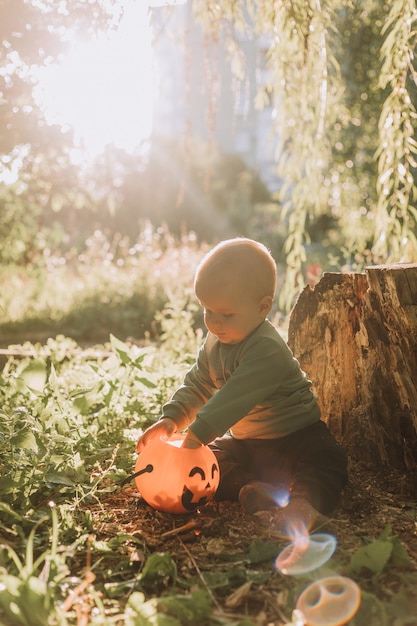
{"x":175,"y":479}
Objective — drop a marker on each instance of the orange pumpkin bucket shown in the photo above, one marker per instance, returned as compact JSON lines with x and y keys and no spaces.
{"x":174,"y":479}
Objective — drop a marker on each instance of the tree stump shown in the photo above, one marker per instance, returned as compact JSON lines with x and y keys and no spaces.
{"x":355,"y":336}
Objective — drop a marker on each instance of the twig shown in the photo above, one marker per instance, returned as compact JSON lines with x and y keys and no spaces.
{"x":81,"y":588}
{"x":78,"y":590}
{"x":191,"y":524}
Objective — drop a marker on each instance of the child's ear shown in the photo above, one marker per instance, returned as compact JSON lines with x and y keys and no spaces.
{"x":265,"y":305}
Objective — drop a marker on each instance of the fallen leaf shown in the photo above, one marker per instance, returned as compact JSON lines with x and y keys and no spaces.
{"x":236,"y":598}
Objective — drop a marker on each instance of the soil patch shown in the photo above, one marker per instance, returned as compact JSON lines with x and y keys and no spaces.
{"x":219,"y":537}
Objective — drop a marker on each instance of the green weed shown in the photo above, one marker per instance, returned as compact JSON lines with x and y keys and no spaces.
{"x":106,"y":287}
{"x":69,"y":419}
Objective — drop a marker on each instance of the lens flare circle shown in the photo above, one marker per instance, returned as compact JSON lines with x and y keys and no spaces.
{"x":282,"y":497}
{"x":331,"y":601}
{"x":306,"y":554}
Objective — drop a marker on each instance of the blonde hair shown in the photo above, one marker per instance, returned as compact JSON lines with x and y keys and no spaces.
{"x":240,"y":259}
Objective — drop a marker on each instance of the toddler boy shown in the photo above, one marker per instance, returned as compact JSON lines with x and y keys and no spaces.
{"x":247,"y":397}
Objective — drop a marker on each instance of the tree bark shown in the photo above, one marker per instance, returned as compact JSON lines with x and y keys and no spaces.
{"x":355,"y":336}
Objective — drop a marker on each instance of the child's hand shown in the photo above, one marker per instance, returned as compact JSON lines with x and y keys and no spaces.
{"x":191,"y":441}
{"x":162,"y":429}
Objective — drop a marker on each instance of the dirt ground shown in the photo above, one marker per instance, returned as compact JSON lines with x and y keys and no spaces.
{"x":210,"y":540}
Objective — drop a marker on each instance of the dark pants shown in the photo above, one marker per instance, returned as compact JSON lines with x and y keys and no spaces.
{"x":309,"y":463}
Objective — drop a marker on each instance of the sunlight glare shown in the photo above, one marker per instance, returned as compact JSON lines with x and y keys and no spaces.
{"x":162,"y":3}
{"x":103,"y":89}
{"x":306,"y":554}
{"x":331,"y":601}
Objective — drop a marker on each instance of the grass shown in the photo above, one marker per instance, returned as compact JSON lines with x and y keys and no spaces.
{"x":77,"y":547}
{"x":110,"y":287}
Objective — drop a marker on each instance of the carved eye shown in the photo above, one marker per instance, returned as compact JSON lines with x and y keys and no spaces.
{"x":197,"y":470}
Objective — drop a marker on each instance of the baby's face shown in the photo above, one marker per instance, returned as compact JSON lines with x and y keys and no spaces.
{"x":230,"y":312}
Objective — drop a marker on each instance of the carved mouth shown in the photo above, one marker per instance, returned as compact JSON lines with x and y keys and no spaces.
{"x":187,"y":500}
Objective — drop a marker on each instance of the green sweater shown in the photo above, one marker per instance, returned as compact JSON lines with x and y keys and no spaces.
{"x":256,"y":389}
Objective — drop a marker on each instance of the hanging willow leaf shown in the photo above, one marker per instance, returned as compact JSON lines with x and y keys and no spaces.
{"x":342,"y":83}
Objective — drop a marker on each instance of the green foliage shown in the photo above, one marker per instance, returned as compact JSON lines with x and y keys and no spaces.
{"x":375,"y":556}
{"x":341,"y":82}
{"x":333,"y":75}
{"x":68,"y":425}
{"x":396,"y":216}
{"x":110,"y":286}
{"x":70,"y":418}
{"x":258,"y":551}
{"x":34,"y":155}
{"x":18,"y":226}
{"x":38,"y":226}
{"x":29,"y":596}
{"x":159,"y":568}
{"x":189,"y":610}
{"x":340,"y":85}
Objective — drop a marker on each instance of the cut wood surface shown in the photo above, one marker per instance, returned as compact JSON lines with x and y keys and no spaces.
{"x":355,"y":336}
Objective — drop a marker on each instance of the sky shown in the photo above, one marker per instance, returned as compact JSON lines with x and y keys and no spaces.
{"x":105,"y":88}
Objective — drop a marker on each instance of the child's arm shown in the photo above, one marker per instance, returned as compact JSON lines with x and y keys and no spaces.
{"x":163,"y":429}
{"x":191,"y":441}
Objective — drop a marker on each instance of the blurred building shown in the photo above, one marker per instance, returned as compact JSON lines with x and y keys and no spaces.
{"x":201,"y":92}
